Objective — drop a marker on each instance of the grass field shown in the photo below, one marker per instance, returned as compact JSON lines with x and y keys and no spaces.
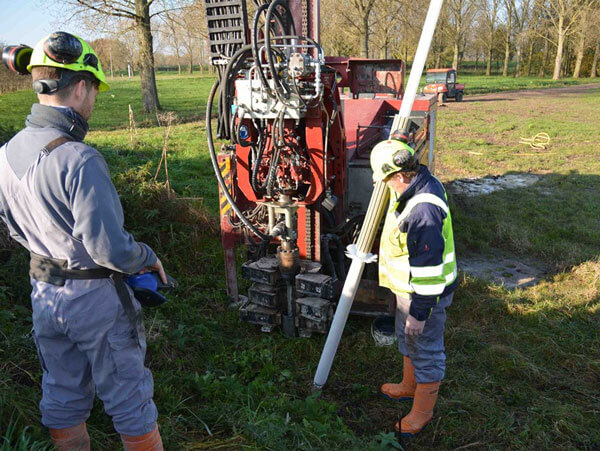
{"x":523,"y":366}
{"x":186,"y":95}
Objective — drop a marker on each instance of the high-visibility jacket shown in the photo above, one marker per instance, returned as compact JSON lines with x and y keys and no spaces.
{"x":416,"y":254}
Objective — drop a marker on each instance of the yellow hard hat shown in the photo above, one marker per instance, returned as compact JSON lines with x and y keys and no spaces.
{"x":67,"y":51}
{"x":391,"y":156}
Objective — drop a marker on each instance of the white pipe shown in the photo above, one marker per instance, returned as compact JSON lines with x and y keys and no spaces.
{"x":420,"y":57}
{"x":339,"y":321}
{"x":376,"y":206}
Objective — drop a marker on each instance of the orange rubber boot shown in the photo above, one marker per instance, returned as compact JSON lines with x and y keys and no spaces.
{"x":75,"y":438}
{"x":422,"y":409}
{"x":150,"y":441}
{"x":405,"y":390}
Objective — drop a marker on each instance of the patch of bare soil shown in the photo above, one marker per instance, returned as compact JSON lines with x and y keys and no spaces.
{"x":486,"y":185}
{"x":503,"y":269}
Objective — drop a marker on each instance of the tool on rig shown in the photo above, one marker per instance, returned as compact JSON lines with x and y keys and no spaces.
{"x":297,"y":129}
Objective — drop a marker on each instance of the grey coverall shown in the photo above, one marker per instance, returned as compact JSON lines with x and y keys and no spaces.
{"x":64,"y":205}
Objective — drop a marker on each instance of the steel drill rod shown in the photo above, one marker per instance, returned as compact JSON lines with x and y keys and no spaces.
{"x":376,"y":207}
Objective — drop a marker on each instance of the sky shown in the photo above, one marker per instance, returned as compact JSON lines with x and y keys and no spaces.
{"x":27,"y":21}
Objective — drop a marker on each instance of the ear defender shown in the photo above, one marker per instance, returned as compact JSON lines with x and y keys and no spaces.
{"x":17,"y":57}
{"x":404,"y":159}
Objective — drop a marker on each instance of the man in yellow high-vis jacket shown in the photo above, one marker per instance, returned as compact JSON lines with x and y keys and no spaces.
{"x":417,"y":262}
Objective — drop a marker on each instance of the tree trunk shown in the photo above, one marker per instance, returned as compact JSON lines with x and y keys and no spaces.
{"x":565,"y":69}
{"x":542,"y":71}
{"x":529,"y":57}
{"x":488,"y":67}
{"x":455,"y":58}
{"x":594,"y":70}
{"x":518,"y":51}
{"x":457,"y":37}
{"x":142,"y":27}
{"x":559,"y":49}
{"x":579,"y":59}
{"x":507,"y":39}
{"x":476,"y":60}
{"x":201,"y":59}
{"x":112,"y":74}
{"x":559,"y":53}
{"x":365,"y":35}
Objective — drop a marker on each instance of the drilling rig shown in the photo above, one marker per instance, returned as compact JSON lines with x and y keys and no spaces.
{"x":295,"y":129}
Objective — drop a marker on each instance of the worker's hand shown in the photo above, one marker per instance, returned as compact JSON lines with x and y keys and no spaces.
{"x":158,"y":267}
{"x":413,"y":326}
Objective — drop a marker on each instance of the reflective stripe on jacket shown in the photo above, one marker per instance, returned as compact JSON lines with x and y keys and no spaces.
{"x":417,"y":245}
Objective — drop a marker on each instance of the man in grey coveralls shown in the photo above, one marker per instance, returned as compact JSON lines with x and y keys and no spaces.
{"x":58,"y":201}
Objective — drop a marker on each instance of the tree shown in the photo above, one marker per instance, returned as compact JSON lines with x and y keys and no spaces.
{"x":521,"y":14}
{"x":489,"y":15}
{"x":362,"y":9}
{"x":170,"y":32}
{"x":337,"y":34}
{"x":193,"y":31}
{"x":460,"y":16}
{"x":137,"y":13}
{"x":594,"y":70}
{"x":397,"y":27}
{"x":594,"y":37}
{"x":510,"y":6}
{"x":113,"y":54}
{"x":388,"y":17}
{"x":583,"y":28}
{"x":563,"y":16}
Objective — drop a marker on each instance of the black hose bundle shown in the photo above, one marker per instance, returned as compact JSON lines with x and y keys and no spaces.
{"x":227,"y":81}
{"x":282,"y":89}
{"x":213,"y":159}
{"x":254,"y":35}
{"x":277,"y":13}
{"x":326,"y":256}
{"x":341,"y":261}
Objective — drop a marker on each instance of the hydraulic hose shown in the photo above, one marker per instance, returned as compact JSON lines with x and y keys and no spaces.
{"x":254,"y":35}
{"x":340,"y":256}
{"x":258,"y":189}
{"x":227,"y":85}
{"x":281,"y":88}
{"x":213,"y":159}
{"x":326,"y":256}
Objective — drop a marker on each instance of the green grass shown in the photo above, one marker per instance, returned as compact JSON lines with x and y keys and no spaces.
{"x":184,"y":94}
{"x":523,"y":366}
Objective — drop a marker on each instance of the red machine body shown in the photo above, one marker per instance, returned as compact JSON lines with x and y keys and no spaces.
{"x":322,"y":172}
